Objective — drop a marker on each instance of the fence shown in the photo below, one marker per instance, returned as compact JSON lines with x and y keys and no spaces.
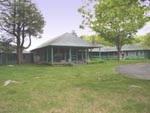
{"x":11,"y":58}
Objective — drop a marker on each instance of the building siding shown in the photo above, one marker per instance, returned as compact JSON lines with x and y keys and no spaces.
{"x":11,"y":58}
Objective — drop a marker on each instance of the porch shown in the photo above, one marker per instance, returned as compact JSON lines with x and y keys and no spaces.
{"x":61,"y":55}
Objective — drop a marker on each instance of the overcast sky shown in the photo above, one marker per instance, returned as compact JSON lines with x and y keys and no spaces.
{"x":61,"y":16}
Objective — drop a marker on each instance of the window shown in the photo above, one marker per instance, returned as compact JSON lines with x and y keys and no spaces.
{"x":141,"y":52}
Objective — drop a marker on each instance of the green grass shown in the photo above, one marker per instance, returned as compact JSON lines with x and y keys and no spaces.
{"x":92,"y":88}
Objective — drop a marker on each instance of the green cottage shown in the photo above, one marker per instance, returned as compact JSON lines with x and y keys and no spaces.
{"x":128,"y":51}
{"x":64,"y":49}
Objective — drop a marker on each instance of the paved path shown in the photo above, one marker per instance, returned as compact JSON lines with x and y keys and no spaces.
{"x":139,"y":70}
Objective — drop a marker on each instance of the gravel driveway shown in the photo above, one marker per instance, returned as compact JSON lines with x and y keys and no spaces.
{"x":139,"y":70}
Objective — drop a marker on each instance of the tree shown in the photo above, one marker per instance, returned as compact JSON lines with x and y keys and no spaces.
{"x":116,"y":21}
{"x":6,"y":45}
{"x":22,"y":20}
{"x":3,"y":1}
{"x":146,"y":40}
{"x":97,"y":39}
{"x":137,"y":39}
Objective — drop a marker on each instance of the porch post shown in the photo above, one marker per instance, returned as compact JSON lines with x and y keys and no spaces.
{"x":47,"y":54}
{"x":77,"y":53}
{"x":52,"y":55}
{"x":82,"y":54}
{"x":70,"y":55}
{"x":99,"y":52}
{"x":0,"y":58}
{"x":86,"y":55}
{"x":90,"y":52}
{"x":65,"y":55}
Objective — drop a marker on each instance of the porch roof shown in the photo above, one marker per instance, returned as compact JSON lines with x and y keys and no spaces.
{"x":68,"y":40}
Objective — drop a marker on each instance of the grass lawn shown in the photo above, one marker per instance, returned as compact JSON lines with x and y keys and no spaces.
{"x":92,"y":88}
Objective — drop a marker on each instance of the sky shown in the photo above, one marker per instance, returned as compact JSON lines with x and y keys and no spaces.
{"x":61,"y":16}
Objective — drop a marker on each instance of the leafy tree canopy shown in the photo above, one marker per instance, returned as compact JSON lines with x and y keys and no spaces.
{"x":97,"y":39}
{"x":145,"y":40}
{"x":116,"y":21}
{"x":6,"y":45}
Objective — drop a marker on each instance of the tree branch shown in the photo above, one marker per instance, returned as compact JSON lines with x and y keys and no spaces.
{"x":29,"y":42}
{"x":8,"y":30}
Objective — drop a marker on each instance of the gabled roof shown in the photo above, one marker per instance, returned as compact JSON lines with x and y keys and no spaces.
{"x":68,"y":40}
{"x":127,"y":47}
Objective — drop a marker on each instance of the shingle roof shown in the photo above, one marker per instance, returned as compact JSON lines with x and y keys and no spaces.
{"x":68,"y":40}
{"x":127,"y":47}
{"x":131,"y":47}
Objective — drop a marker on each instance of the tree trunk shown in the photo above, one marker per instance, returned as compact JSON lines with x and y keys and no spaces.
{"x":119,"y":54}
{"x":19,"y":55}
{"x":119,"y":46}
